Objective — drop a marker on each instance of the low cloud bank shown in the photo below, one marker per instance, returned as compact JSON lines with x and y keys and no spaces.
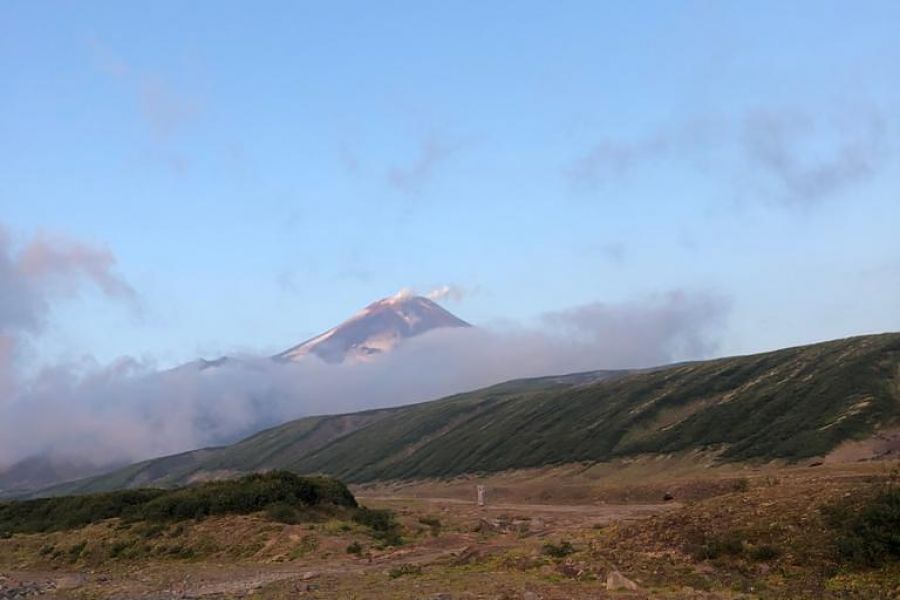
{"x":127,"y":411}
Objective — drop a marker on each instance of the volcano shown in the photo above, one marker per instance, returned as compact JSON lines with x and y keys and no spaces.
{"x":376,"y":329}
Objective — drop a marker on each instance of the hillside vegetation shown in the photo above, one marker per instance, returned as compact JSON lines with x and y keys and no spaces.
{"x":249,"y":494}
{"x":789,"y":404}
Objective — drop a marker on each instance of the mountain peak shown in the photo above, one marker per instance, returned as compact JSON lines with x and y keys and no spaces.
{"x":377,"y":328}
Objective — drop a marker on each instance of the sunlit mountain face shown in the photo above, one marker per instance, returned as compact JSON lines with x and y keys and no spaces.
{"x":376,"y":329}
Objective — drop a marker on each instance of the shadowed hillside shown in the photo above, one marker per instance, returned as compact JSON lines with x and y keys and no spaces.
{"x":788,"y":404}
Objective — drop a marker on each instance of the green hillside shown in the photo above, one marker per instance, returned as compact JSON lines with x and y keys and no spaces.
{"x":788,"y":404}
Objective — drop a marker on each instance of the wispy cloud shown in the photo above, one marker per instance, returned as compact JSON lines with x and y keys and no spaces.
{"x":609,"y":158}
{"x":616,"y":252}
{"x":413,"y":177}
{"x":781,"y":144}
{"x":788,"y":156}
{"x":166,"y":110}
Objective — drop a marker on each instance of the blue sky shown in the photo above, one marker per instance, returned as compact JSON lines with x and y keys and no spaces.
{"x":261,"y":170}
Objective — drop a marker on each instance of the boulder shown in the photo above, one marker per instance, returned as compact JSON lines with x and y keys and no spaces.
{"x":617,"y":581}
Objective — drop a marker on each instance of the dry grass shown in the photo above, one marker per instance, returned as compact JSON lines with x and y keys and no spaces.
{"x":763,"y":537}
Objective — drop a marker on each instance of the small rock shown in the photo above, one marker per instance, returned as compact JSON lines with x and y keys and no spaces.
{"x":530,"y":596}
{"x":309,"y":575}
{"x":617,"y":581}
{"x":667,"y":497}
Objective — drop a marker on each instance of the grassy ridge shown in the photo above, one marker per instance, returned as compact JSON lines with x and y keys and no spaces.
{"x":789,"y":404}
{"x":249,"y":494}
{"x":281,"y":446}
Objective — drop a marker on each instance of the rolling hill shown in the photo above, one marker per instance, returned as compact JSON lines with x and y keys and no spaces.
{"x":788,"y":404}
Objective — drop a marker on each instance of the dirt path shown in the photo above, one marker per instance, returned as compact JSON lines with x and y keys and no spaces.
{"x":461,"y":539}
{"x":612,"y":511}
{"x":201,"y":581}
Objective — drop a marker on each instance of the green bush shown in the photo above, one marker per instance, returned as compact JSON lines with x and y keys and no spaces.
{"x":402,"y":570}
{"x":741,"y":485}
{"x":433,"y":523}
{"x":382,"y":523}
{"x":76,"y":550}
{"x":249,"y":494}
{"x":150,"y":531}
{"x":867,"y":529}
{"x":764,"y":552}
{"x":282,"y":512}
{"x":355,"y":548}
{"x":561,"y":550}
{"x":712,"y":547}
{"x":118,"y":548}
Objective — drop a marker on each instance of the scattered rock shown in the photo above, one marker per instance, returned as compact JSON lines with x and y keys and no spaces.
{"x":503,"y":524}
{"x":530,"y":596}
{"x":617,"y":581}
{"x":309,"y":575}
{"x":667,"y":497}
{"x":468,"y":554}
{"x":570,"y":569}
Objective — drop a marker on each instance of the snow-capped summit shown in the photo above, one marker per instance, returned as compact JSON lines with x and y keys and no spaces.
{"x":377,"y":328}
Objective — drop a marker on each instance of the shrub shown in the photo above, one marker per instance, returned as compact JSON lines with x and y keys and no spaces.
{"x":248,"y":494}
{"x":712,"y":547}
{"x":376,"y":519}
{"x":741,"y":485}
{"x":867,"y":529}
{"x":355,"y":548}
{"x":382,"y":524}
{"x":76,"y":550}
{"x":118,"y":548}
{"x":764,"y":552}
{"x":561,"y":550}
{"x":282,"y":512}
{"x":401,"y":570}
{"x":433,"y":523}
{"x":179,"y":551}
{"x":150,"y":531}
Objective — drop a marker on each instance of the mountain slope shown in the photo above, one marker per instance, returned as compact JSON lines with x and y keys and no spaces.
{"x":282,"y":446}
{"x":377,"y":328}
{"x":788,"y":404}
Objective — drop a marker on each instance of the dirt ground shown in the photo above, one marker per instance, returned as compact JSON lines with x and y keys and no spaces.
{"x":569,"y":532}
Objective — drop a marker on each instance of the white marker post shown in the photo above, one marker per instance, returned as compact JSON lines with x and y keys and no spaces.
{"x":479,"y":492}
